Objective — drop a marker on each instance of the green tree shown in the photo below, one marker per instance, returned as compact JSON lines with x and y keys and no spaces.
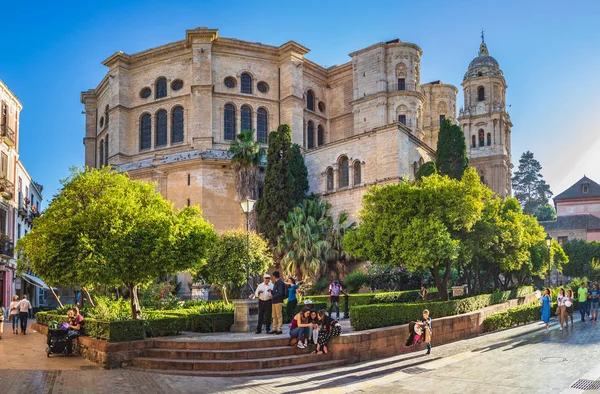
{"x":528,"y":184}
{"x":304,"y":239}
{"x":451,"y":157}
{"x":228,"y":259}
{"x":245,"y":160}
{"x":580,"y":254}
{"x":105,"y":229}
{"x":419,"y":225}
{"x":299,"y":174}
{"x":545,"y":213}
{"x":278,"y":197}
{"x":340,"y":256}
{"x":426,"y":169}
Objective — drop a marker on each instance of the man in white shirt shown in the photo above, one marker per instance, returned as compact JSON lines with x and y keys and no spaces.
{"x":24,"y":307}
{"x":263,"y":293}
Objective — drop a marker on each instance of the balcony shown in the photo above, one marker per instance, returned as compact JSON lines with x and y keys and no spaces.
{"x":7,"y":188}
{"x":8,"y":134}
{"x":6,"y":247}
{"x":409,"y":87}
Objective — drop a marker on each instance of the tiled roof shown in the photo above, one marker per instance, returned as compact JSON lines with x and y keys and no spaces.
{"x":585,"y":221}
{"x":576,"y":191}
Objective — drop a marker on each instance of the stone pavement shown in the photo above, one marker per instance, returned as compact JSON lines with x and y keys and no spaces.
{"x":519,"y":360}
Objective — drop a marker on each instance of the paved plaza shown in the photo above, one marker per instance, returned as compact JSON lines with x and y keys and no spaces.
{"x":520,"y":360}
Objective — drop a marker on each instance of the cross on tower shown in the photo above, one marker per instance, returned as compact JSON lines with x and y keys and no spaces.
{"x":482,"y":36}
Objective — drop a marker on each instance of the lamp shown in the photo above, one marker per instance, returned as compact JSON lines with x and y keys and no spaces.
{"x":549,"y":244}
{"x":247,"y":207}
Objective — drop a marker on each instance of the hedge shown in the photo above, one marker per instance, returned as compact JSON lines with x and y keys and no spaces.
{"x":159,"y":324}
{"x":365,"y":317}
{"x":368,"y":298}
{"x":317,"y":305}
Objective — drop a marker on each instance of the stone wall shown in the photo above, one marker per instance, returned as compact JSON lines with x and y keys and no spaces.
{"x":390,"y":341}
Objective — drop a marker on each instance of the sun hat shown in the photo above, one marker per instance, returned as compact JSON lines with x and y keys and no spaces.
{"x":267,"y":276}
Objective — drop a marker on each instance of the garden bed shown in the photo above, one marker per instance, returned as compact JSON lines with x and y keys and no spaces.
{"x":364,"y":317}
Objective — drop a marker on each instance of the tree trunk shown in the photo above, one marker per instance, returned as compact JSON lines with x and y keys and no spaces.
{"x":224,"y":291}
{"x":56,"y":297}
{"x":89,"y":297}
{"x":133,"y":299}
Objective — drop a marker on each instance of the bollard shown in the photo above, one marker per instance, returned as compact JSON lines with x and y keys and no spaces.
{"x":346,"y":307}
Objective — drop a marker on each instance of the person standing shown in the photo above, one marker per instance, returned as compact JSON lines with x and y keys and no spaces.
{"x":588,"y":304}
{"x":422,"y":296}
{"x":335,"y":289}
{"x":582,"y":297}
{"x":561,"y":310}
{"x":545,"y":302}
{"x":595,"y":295}
{"x":570,"y":307}
{"x":292,"y":299}
{"x":277,"y":293}
{"x":263,"y":293}
{"x":24,"y":307}
{"x":13,"y":314}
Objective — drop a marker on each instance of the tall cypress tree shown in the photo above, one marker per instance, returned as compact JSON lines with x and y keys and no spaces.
{"x":299,"y":174}
{"x":529,"y":185}
{"x":452,"y":157}
{"x":278,"y":197}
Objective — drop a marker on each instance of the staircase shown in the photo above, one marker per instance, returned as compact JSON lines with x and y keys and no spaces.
{"x":267,"y":356}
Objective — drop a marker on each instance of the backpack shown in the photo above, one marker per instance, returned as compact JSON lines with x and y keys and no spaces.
{"x":335,"y":290}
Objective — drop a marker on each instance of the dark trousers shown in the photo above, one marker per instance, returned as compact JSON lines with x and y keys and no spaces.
{"x":334,"y":301}
{"x":291,"y":307}
{"x":23,"y":319}
{"x":582,"y":309}
{"x":264,"y":315}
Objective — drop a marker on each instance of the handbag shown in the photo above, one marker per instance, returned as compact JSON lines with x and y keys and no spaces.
{"x":293,"y":342}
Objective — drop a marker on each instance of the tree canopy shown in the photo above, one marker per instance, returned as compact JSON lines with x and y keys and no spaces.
{"x":451,"y":156}
{"x":529,"y":186}
{"x":278,"y":198}
{"x":104,"y":228}
{"x":229,"y":256}
{"x":299,"y":174}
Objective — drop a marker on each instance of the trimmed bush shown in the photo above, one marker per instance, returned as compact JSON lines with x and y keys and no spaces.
{"x":512,"y":317}
{"x":364,"y":317}
{"x":368,"y":298}
{"x":355,"y":280}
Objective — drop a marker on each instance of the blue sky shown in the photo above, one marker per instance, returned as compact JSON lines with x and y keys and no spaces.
{"x":548,"y":50}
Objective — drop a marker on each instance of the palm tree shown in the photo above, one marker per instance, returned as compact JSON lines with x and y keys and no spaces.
{"x":303,"y":240}
{"x":246,"y":157}
{"x":336,"y":240}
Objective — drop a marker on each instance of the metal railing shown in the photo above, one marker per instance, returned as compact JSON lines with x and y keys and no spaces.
{"x":409,"y":87}
{"x":7,"y":133}
{"x":6,"y":247}
{"x":7,"y":188}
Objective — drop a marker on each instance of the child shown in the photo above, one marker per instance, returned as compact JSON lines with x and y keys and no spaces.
{"x":426,"y":323}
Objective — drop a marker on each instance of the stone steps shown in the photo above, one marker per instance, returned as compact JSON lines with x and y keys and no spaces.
{"x":269,"y":341}
{"x":250,"y":372}
{"x":201,"y":354}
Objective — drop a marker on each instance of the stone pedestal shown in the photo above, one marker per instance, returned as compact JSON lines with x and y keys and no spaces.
{"x":200,"y":291}
{"x":245,"y":315}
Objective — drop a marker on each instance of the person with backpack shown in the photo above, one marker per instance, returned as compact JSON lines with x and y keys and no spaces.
{"x":335,"y":289}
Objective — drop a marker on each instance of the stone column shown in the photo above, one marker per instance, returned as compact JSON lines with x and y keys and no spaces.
{"x":245,"y":315}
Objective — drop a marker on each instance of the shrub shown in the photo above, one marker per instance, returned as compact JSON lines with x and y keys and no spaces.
{"x":575,"y":284}
{"x":355,"y":280}
{"x":319,"y":287}
{"x":400,"y":296}
{"x":515,"y":316}
{"x":108,"y":309}
{"x":367,"y":298}
{"x":159,"y":296}
{"x":384,"y":315}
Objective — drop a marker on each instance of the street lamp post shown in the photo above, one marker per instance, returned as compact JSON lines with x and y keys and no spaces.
{"x":549,"y":244}
{"x":247,"y":207}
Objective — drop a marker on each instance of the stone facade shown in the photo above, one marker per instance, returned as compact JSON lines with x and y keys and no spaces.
{"x":485,"y":122}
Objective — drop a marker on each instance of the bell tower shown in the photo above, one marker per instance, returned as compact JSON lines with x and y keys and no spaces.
{"x":485,"y":122}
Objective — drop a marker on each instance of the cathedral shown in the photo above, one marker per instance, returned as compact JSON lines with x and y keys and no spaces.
{"x":168,"y":115}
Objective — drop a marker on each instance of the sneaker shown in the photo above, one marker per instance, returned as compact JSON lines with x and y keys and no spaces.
{"x":428,"y":352}
{"x":300,"y":345}
{"x":258,"y":332}
{"x":561,"y":328}
{"x":279,"y":332}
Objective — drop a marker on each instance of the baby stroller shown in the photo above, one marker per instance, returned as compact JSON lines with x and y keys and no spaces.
{"x":58,"y":341}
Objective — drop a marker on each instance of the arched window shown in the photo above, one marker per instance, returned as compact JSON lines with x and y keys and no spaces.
{"x":106,"y":114}
{"x":246,"y":85}
{"x":343,"y":171}
{"x":310,"y":100}
{"x":177,"y":124}
{"x":106,"y":150}
{"x":161,"y":128}
{"x":161,"y":88}
{"x":473,"y":141}
{"x":320,"y":135}
{"x":357,"y":173}
{"x":246,"y":118}
{"x":330,"y":178}
{"x":310,"y":134}
{"x":489,"y":139}
{"x":481,"y":93}
{"x":481,"y":138}
{"x":261,"y":125}
{"x":101,"y":153}
{"x":145,"y":131}
{"x":229,"y":122}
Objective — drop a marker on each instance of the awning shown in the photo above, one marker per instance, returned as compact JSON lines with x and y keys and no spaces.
{"x":34,"y":280}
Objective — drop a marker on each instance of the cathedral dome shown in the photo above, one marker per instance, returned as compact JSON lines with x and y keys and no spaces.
{"x":483,"y":65}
